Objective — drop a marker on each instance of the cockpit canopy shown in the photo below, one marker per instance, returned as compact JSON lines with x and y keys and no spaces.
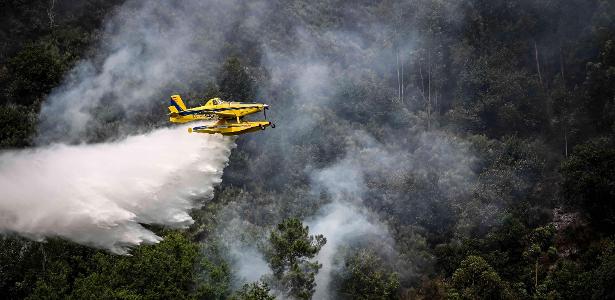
{"x":214,"y":101}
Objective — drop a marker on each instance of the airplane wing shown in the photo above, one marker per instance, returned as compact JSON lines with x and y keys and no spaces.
{"x":213,"y":108}
{"x":225,"y":115}
{"x":222,"y":113}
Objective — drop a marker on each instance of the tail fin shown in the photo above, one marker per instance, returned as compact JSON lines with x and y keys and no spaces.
{"x":177,"y":104}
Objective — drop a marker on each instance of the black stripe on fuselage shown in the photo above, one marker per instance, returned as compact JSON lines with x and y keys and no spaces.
{"x":209,"y":111}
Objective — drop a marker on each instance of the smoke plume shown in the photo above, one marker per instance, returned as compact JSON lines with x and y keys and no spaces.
{"x":343,"y":224}
{"x":148,"y":50}
{"x":100,"y":194}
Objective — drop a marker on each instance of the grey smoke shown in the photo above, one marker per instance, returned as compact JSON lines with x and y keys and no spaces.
{"x":348,"y":221}
{"x":148,"y":50}
{"x":250,"y":265}
{"x":314,"y":67}
{"x":318,"y":68}
{"x":343,"y":224}
{"x":246,"y":260}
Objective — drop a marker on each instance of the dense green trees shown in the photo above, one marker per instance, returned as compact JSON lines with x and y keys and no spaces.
{"x":291,"y":248}
{"x":34,"y":71}
{"x":600,"y":92}
{"x":165,"y":270}
{"x":527,"y":86}
{"x":234,"y":81}
{"x":18,"y":123}
{"x":364,"y":277}
{"x":39,"y":42}
{"x":58,"y":269}
{"x":254,"y":291}
{"x":589,"y":181}
{"x":476,"y":279}
{"x":540,"y":248}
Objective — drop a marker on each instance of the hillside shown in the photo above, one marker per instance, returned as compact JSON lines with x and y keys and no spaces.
{"x":424,"y":149}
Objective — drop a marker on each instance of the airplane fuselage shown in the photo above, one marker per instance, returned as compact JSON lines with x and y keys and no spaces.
{"x":229,"y":116}
{"x":211,"y":112}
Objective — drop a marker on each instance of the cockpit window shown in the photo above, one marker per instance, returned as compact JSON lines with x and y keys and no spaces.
{"x":216,"y":101}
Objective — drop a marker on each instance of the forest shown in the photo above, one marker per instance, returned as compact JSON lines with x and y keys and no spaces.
{"x":423,"y":149}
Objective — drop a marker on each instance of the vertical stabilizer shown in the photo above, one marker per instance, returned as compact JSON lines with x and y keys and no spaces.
{"x":176,"y":101}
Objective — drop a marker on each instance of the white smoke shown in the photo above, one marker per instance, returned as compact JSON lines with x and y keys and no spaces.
{"x":241,"y":248}
{"x":148,"y":50}
{"x":249,"y":263}
{"x":342,"y":224}
{"x":99,"y":194}
{"x":348,"y":221}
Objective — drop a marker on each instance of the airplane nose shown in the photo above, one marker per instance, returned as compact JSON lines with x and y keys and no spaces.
{"x":266,"y":106}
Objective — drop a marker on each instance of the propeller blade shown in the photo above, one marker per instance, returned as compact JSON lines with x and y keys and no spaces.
{"x":265,"y":113}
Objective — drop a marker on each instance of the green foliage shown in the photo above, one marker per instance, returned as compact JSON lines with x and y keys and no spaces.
{"x":291,"y":248}
{"x":34,"y":71}
{"x":175,"y":268}
{"x":291,"y":244}
{"x":235,"y":82}
{"x":24,"y":21}
{"x":497,"y":98}
{"x":476,"y":279}
{"x":29,"y":268}
{"x":589,"y":181}
{"x":598,"y":282}
{"x":17,"y":123}
{"x":511,"y":169}
{"x":582,"y":280}
{"x":563,"y":282}
{"x":600,"y":91}
{"x":253,"y":291}
{"x":213,"y":273}
{"x":55,"y":284}
{"x":522,"y":80}
{"x":540,"y":249}
{"x":541,"y":242}
{"x":364,"y":277}
{"x":159,"y":271}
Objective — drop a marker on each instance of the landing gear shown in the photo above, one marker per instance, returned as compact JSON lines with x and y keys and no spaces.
{"x":262,"y":127}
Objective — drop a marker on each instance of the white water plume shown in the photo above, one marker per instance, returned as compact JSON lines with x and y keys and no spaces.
{"x":100,"y":194}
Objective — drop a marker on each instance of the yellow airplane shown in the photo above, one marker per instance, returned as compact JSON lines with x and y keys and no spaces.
{"x":229,"y":115}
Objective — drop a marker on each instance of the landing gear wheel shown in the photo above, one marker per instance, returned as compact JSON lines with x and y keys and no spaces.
{"x":262,"y":127}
